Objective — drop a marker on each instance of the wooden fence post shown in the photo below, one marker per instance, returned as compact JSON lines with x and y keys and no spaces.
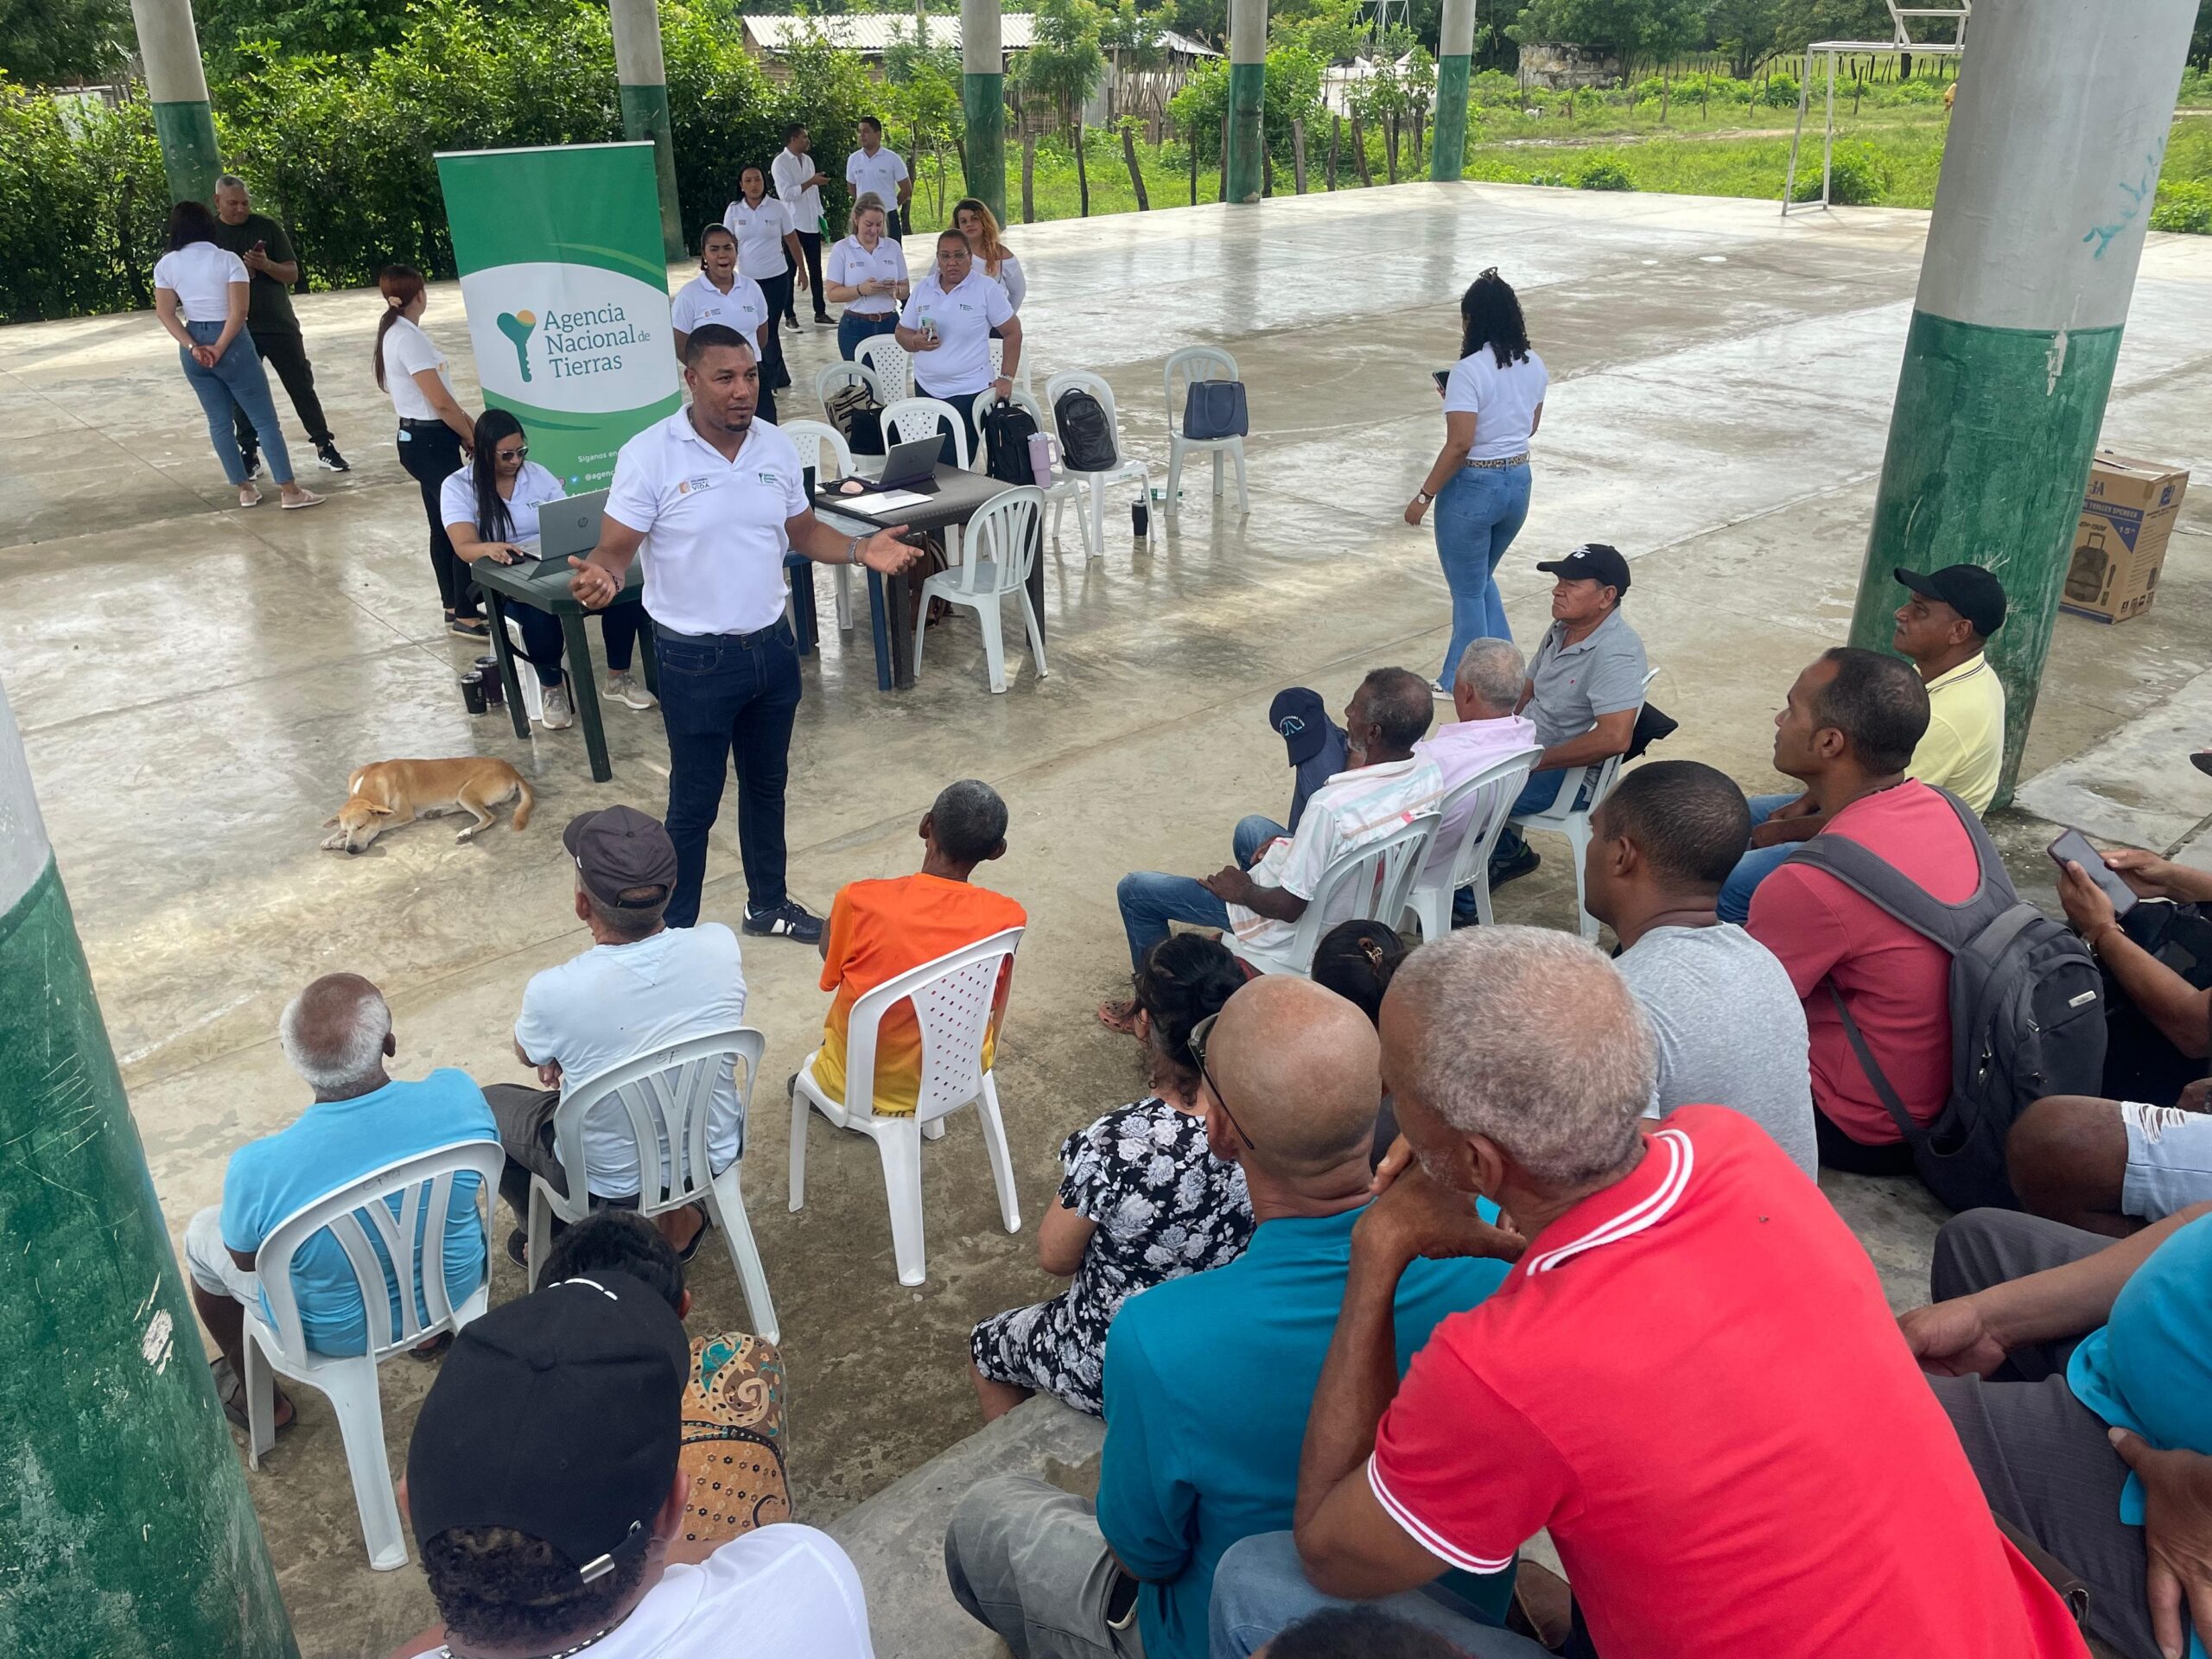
{"x":1029,"y":178}
{"x":1298,"y":150}
{"x":1191,"y":143}
{"x":1136,"y":173}
{"x":1359,"y":152}
{"x":1082,"y":177}
{"x":1221,"y":191}
{"x":1336,"y":140}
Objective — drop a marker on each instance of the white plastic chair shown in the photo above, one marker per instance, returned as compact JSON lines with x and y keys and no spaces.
{"x":1199,"y":363}
{"x":1493,"y":790}
{"x":952,"y":999}
{"x":832,"y":376}
{"x":998,"y":362}
{"x":999,"y":542}
{"x":1563,"y":817}
{"x":355,"y":1215}
{"x":892,"y":364}
{"x":1094,"y":533}
{"x":911,"y":419}
{"x":1378,"y":875}
{"x":819,"y":442}
{"x":533,"y":694}
{"x":666,"y":1096}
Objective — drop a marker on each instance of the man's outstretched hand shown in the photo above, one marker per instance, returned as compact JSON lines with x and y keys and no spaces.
{"x":594,"y":585}
{"x":885,"y":552}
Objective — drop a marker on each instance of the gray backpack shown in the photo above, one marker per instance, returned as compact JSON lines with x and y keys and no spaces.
{"x":2027,"y":1011}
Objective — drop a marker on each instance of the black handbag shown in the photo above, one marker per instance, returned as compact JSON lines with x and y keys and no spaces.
{"x":1215,"y":409}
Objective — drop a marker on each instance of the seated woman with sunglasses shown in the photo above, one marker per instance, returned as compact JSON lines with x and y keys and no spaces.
{"x":490,"y":508}
{"x":1143,"y":1200}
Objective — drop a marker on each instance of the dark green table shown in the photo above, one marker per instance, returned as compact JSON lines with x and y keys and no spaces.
{"x":544,"y":583}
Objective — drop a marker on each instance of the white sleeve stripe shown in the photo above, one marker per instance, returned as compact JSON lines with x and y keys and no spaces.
{"x":1427,"y":1536}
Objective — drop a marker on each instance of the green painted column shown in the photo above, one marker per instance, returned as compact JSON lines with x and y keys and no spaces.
{"x":642,"y":80}
{"x":124,"y":1523}
{"x":184,"y":122}
{"x":982,"y":102}
{"x":1248,"y":89}
{"x":2048,"y":169}
{"x":1447,"y":154}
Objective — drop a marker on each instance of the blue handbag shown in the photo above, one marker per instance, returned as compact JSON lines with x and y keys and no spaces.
{"x":1215,"y":409}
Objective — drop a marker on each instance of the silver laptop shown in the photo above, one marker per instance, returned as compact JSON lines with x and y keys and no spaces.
{"x":569,"y":527}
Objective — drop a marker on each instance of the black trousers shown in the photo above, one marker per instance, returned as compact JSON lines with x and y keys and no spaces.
{"x":430,"y":451}
{"x":810,"y":243}
{"x":287,"y":353}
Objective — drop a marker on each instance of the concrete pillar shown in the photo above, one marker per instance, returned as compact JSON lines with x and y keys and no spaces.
{"x":982,"y":102}
{"x":642,"y":80}
{"x":2045,"y":193}
{"x":1248,"y":88}
{"x":177,"y":85}
{"x":1455,"y":54}
{"x":127,"y":1529}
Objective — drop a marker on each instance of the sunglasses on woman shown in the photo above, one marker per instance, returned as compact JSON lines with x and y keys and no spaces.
{"x":521,"y":453}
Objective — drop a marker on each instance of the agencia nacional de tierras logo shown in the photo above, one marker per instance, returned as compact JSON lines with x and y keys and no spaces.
{"x":564,"y":336}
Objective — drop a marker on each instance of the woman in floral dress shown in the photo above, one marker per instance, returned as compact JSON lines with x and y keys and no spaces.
{"x":1143,"y":1200}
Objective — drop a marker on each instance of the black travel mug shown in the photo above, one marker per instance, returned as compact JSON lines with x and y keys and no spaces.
{"x":1139,"y":518}
{"x":472,"y":691}
{"x":487,"y":674}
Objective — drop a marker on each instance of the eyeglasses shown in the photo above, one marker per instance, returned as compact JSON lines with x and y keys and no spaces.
{"x":1199,"y":1033}
{"x":521,"y":453}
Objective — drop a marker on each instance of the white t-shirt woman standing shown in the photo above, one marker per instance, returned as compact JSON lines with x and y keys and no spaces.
{"x":435,"y":432}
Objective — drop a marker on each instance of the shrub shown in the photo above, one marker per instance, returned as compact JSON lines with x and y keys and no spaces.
{"x":1782,"y":90}
{"x":1556,"y":181}
{"x":2183,"y":205}
{"x":1858,"y":175}
{"x":1603,"y":172}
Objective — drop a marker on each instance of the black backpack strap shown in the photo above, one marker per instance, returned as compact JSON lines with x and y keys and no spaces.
{"x":1882,"y":884}
{"x":1914,"y":1134}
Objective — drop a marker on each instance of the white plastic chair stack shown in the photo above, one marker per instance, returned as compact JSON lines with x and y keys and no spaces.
{"x":822,"y":446}
{"x":666,"y":1096}
{"x":1493,"y":790}
{"x":381,"y":1247}
{"x":1379,"y":876}
{"x":1001,"y":548}
{"x":892,"y":364}
{"x":952,"y":999}
{"x":1564,"y":818}
{"x":1094,"y":532}
{"x":1199,"y":363}
{"x":911,"y":419}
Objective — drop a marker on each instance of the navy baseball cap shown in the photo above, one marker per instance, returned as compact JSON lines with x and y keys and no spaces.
{"x":1302,"y":720}
{"x":1591,"y":561}
{"x":1967,"y":588}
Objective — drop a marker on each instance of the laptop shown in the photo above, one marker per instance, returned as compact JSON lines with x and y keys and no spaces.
{"x":569,"y":527}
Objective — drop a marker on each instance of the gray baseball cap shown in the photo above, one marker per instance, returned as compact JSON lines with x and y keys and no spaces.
{"x":619,"y":849}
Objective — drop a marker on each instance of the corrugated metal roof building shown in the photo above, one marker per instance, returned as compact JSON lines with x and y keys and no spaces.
{"x":871,"y":34}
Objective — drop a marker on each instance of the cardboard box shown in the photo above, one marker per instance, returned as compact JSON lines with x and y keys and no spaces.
{"x":2120,"y":541}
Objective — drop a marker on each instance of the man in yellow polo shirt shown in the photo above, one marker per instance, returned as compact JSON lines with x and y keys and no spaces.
{"x":1942,"y":629}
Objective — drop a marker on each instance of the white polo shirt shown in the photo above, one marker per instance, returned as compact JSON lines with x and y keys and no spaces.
{"x":804,"y":202}
{"x":961,"y":366}
{"x":405,"y":351}
{"x":760,"y":233}
{"x":850,"y":264}
{"x":880,"y":174}
{"x":534,"y":487}
{"x":714,"y":528}
{"x":199,"y":274}
{"x":745,"y":307}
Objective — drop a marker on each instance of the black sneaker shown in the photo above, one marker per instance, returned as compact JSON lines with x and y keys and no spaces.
{"x":790,"y":920}
{"x":252,"y":456}
{"x":823,"y":319}
{"x":1512,"y":869}
{"x":327,"y":457}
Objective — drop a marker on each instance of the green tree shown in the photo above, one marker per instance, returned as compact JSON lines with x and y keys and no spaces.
{"x":921,"y":99}
{"x":1059,"y":73}
{"x":1749,"y":31}
{"x":47,"y":42}
{"x":1627,"y":29}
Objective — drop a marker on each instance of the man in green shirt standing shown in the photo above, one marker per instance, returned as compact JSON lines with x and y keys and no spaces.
{"x":273,"y":267}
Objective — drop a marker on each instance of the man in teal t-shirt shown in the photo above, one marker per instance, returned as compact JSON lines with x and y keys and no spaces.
{"x":1209,"y":1378}
{"x":337,"y":1033}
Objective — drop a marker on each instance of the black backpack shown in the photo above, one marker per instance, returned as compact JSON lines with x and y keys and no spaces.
{"x":1008,"y":429}
{"x":2027,"y":1011}
{"x":1086,"y":435}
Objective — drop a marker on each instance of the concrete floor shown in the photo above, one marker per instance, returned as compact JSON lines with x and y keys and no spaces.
{"x":194,"y":684}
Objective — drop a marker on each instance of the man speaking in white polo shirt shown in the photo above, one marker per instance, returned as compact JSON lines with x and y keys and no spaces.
{"x":714,"y":500}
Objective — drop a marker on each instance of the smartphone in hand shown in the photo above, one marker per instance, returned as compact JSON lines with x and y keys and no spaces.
{"x":2072,"y":847}
{"x":1442,"y":377}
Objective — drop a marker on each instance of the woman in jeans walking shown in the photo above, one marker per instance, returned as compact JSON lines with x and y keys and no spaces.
{"x":435,"y":434}
{"x":199,"y":294}
{"x":1493,"y":403}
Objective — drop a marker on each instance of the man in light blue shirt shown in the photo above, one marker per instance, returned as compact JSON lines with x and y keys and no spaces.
{"x":337,"y":1033}
{"x":1209,"y":1378}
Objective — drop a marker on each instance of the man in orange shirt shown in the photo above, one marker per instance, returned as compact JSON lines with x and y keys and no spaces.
{"x":879,"y":930}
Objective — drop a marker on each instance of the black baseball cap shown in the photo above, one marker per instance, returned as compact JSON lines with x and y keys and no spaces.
{"x":558,"y":1415}
{"x":1591,"y":561}
{"x":1967,"y":588}
{"x":618,"y":848}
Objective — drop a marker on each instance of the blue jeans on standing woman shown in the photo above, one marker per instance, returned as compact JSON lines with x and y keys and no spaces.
{"x":1477,"y":513}
{"x":237,"y":382}
{"x":854,"y":327}
{"x":720,"y":694}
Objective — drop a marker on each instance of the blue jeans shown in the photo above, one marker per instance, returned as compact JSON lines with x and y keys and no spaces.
{"x":722,"y":695}
{"x":1757,"y":864}
{"x":542,"y":641}
{"x":1150,"y":901}
{"x":854,"y":327}
{"x":237,"y":382}
{"x":1477,"y":513}
{"x":1259,"y":1588}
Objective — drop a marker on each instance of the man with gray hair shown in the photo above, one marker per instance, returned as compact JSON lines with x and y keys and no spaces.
{"x":1485,"y":695}
{"x":1690,"y":1377}
{"x":273,"y":268}
{"x":337,"y":1035}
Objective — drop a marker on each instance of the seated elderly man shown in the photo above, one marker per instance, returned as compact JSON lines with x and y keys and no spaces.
{"x":337,"y":1035}
{"x":1208,"y":1377}
{"x":1486,"y":691}
{"x":1583,"y":691}
{"x":641,"y":987}
{"x":1690,"y":1377}
{"x":1261,"y":895}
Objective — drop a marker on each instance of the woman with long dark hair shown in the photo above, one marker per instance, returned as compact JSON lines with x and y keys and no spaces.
{"x":200,"y":291}
{"x":434,"y":431}
{"x":721,"y":293}
{"x":1493,"y":403}
{"x":490,"y":508}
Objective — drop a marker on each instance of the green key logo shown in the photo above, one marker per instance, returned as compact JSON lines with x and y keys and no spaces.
{"x":517,"y":325}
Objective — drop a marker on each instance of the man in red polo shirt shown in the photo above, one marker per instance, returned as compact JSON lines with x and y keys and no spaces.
{"x":1848,"y":733}
{"x":1690,"y":1376}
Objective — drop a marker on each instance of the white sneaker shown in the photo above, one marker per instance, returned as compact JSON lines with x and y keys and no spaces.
{"x":624,"y":689}
{"x":1441,"y":693}
{"x":560,"y":714}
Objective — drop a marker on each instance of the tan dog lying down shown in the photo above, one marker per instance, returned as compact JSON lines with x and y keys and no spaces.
{"x":393,"y":792}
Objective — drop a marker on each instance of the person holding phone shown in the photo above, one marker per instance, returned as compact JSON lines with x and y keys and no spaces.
{"x":947,"y":325}
{"x":1493,"y":403}
{"x":867,"y":277}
